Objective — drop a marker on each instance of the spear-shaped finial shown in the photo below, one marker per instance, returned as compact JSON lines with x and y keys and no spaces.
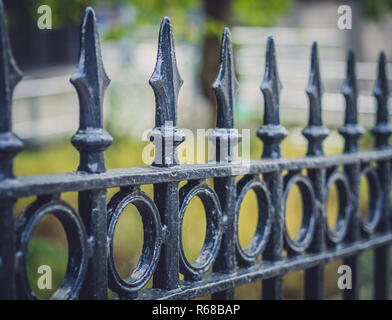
{"x":351,"y":131}
{"x":10,"y":75}
{"x":272,"y":133}
{"x":226,"y":86}
{"x":271,"y":86}
{"x":166,"y":83}
{"x":166,"y":80}
{"x":350,"y":90}
{"x":315,"y":132}
{"x":314,"y":89}
{"x":91,"y":81}
{"x":382,"y":130}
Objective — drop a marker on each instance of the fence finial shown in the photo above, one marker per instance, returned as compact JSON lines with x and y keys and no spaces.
{"x":382,"y":130}
{"x":315,"y":132}
{"x":166,"y":83}
{"x":91,"y":81}
{"x":10,"y":75}
{"x":272,"y":132}
{"x":166,"y":80}
{"x":225,"y":87}
{"x":351,"y":131}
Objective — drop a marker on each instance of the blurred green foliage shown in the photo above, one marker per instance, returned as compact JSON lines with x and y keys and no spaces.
{"x":246,"y":12}
{"x":260,"y":12}
{"x":376,"y":9}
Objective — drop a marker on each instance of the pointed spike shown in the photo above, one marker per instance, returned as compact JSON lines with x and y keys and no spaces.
{"x":381,"y":90}
{"x":271,"y":133}
{"x":225,"y":137}
{"x":90,"y":78}
{"x":351,"y":131}
{"x":90,"y":81}
{"x":314,"y":89}
{"x":10,"y":75}
{"x":166,"y":80}
{"x":166,"y":83}
{"x":226,"y":84}
{"x":382,"y":130}
{"x":350,"y":91}
{"x":271,"y":86}
{"x":315,"y":132}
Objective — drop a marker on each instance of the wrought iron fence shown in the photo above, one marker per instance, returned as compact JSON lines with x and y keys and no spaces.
{"x":91,"y":269}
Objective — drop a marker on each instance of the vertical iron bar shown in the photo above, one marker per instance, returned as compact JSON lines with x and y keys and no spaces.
{"x":273,"y":287}
{"x":314,"y":283}
{"x":166,"y":198}
{"x":166,"y":83}
{"x":314,"y":277}
{"x":381,"y":273}
{"x":353,"y":173}
{"x":352,"y":132}
{"x":315,"y":133}
{"x":225,"y":260}
{"x":91,"y":140}
{"x":353,"y":263}
{"x":92,"y":207}
{"x":10,"y":146}
{"x":272,"y":133}
{"x":382,"y":132}
{"x":381,"y":254}
{"x":7,"y":250}
{"x":226,"y":138}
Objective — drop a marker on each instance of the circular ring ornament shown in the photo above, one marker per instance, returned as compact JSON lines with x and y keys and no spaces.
{"x":77,"y":246}
{"x":305,"y":235}
{"x":340,"y":229}
{"x":257,"y":245}
{"x":152,"y":240}
{"x":369,"y":225}
{"x":214,"y":229}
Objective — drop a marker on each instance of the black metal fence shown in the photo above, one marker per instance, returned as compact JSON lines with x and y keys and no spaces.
{"x":91,"y":269}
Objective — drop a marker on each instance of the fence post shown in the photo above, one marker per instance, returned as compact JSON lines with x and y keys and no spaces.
{"x":166,"y":83}
{"x":10,"y":145}
{"x":315,"y":133}
{"x":352,"y":132}
{"x":272,"y":133}
{"x":91,"y":140}
{"x":226,"y":138}
{"x":382,"y":132}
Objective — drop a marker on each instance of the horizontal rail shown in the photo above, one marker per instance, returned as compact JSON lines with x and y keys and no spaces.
{"x":262,"y":270}
{"x":25,"y":186}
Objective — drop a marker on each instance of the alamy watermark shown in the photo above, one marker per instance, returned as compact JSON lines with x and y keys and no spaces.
{"x":344,"y":21}
{"x":345,"y":280}
{"x":45,"y":281}
{"x":45,"y":20}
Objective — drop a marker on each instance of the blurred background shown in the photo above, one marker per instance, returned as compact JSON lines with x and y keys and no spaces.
{"x":46,"y":110}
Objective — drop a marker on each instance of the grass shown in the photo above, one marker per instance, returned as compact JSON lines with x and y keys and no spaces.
{"x":48,"y":244}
